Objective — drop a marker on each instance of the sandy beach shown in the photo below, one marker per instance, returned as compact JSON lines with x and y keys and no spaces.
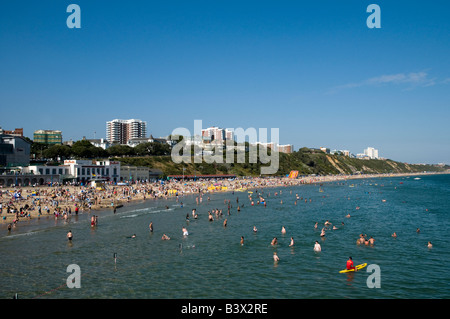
{"x":23,"y":203}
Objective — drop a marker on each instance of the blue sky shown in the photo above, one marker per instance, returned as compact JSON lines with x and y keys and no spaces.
{"x":313,"y":69}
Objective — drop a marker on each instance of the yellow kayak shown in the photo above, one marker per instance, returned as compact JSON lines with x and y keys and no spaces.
{"x":357,"y":267}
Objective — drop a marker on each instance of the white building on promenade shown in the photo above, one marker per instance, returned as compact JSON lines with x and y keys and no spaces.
{"x":79,"y":170}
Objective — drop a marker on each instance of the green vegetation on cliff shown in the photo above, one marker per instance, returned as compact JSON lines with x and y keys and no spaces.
{"x":306,"y":161}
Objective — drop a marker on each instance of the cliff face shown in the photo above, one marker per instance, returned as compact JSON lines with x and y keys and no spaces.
{"x":305,"y":161}
{"x":338,"y":164}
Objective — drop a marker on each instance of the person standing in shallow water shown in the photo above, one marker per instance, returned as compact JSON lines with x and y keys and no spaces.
{"x":317,"y":247}
{"x":275,"y":257}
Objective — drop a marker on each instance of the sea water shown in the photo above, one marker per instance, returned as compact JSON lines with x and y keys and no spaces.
{"x":211,"y":263}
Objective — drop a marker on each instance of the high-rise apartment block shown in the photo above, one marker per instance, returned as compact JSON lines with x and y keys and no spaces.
{"x":47,"y":136}
{"x":371,"y":152}
{"x":120,"y":131}
{"x":215,"y":133}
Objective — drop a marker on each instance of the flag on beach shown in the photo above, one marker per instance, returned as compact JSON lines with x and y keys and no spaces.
{"x":293,"y":174}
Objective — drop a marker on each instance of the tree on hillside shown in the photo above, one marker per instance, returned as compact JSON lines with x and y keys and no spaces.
{"x":37,"y":149}
{"x":152,"y":148}
{"x":120,"y":150}
{"x":84,"y":149}
{"x":55,"y":151}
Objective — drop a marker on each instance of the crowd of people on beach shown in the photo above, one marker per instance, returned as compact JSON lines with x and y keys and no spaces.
{"x":61,"y":200}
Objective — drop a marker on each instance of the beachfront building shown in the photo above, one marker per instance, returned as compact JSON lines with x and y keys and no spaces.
{"x":51,"y":137}
{"x":87,"y":170}
{"x":140,"y":140}
{"x":340,"y":152}
{"x":362,"y":156}
{"x":26,"y":179}
{"x":133,"y":142}
{"x":100,"y":142}
{"x":287,"y":148}
{"x":134,"y":173}
{"x":121,"y":131}
{"x":371,"y":152}
{"x":14,"y":151}
{"x":215,"y":133}
{"x":62,"y":170}
{"x":76,"y":170}
{"x":43,"y":174}
{"x":15,"y":132}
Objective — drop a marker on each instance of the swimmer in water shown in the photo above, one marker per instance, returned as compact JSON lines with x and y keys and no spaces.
{"x":322,"y":233}
{"x":361,"y":239}
{"x":165,"y":237}
{"x":292,"y":242}
{"x":394,"y":235}
{"x":275,"y":257}
{"x":317,"y":247}
{"x":274,"y":241}
{"x":255,"y":229}
{"x":69,"y":235}
{"x":283,"y":230}
{"x":242,"y":240}
{"x":185,"y":232}
{"x":430,"y":245}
